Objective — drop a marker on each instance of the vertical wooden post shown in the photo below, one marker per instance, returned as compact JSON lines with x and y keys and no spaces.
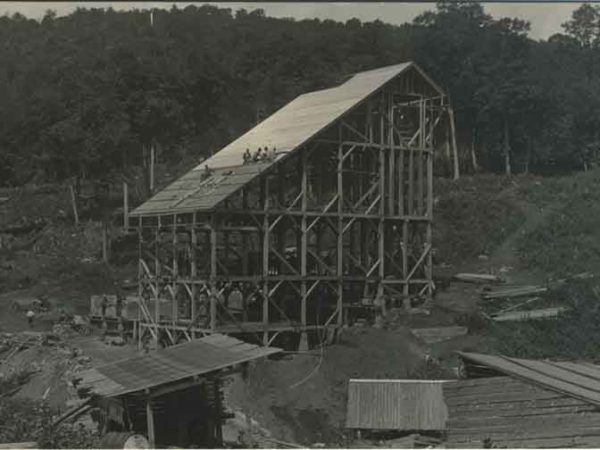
{"x":265,"y":261}
{"x":140,"y":282}
{"x":74,"y":204}
{"x":303,"y":346}
{"x":125,"y":206}
{"x":174,"y":275}
{"x":150,"y":423}
{"x":105,"y":242}
{"x":213,"y":274}
{"x":421,"y":156}
{"x":152,"y":156}
{"x":474,"y":154}
{"x":507,"y":167}
{"x":156,"y":281}
{"x":194,"y":267}
{"x":456,"y":175}
{"x":381,"y":231}
{"x":340,"y":231}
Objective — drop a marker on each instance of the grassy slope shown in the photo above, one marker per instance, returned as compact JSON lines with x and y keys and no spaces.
{"x":567,"y":242}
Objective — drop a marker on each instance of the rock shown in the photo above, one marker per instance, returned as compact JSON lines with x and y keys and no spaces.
{"x":117,"y":341}
{"x":483,"y":257}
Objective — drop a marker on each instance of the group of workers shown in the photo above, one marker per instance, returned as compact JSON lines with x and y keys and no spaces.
{"x":262,"y":154}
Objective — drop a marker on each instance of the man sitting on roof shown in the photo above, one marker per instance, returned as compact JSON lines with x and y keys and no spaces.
{"x":247,"y":156}
{"x":257,"y":156}
{"x":265,"y":155}
{"x":207,"y":172}
{"x":273,"y":155}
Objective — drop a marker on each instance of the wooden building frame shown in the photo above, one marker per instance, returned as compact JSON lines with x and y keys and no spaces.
{"x":344,"y":219}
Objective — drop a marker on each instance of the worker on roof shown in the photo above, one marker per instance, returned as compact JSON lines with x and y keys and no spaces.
{"x":257,"y":155}
{"x":265,"y":154}
{"x":273,"y":154}
{"x":247,"y":156}
{"x":30,"y":315}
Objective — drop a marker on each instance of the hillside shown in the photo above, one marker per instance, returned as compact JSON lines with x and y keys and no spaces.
{"x":528,"y":229}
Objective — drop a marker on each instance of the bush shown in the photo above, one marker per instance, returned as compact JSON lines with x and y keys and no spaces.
{"x":30,"y":420}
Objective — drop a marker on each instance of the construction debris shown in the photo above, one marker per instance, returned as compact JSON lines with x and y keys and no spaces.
{"x":528,"y":315}
{"x":413,"y":441}
{"x":521,"y":291}
{"x":477,"y":278}
{"x":438,"y":334}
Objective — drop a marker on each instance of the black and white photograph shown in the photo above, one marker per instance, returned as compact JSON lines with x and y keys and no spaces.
{"x":299,"y":225}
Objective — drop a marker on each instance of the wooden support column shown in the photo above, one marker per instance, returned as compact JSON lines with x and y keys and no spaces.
{"x":74,"y":205}
{"x":156,"y":280}
{"x":140,"y":275}
{"x":265,"y":260}
{"x":125,"y":206}
{"x":392,"y":156}
{"x":421,"y":156}
{"x":340,"y":232}
{"x":174,"y":305}
{"x":150,"y":422}
{"x":456,"y":173}
{"x":193,"y":269}
{"x":429,"y":231}
{"x":303,"y":346}
{"x":381,"y":227}
{"x":213,"y":273}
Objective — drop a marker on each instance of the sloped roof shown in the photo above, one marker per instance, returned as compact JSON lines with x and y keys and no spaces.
{"x":171,"y":364}
{"x":286,"y":130}
{"x":579,"y":380}
{"x":396,"y":405}
{"x":514,"y":413}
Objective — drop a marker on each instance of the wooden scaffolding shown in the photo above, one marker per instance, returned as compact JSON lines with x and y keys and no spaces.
{"x":291,"y":242}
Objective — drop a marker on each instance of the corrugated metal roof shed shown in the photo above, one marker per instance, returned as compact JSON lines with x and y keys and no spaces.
{"x":396,"y":405}
{"x":286,"y":130}
{"x":514,"y":413}
{"x":579,"y":380}
{"x":171,"y":364}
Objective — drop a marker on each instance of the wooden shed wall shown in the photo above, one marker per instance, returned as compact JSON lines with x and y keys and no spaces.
{"x":396,"y":405}
{"x":512,"y":413}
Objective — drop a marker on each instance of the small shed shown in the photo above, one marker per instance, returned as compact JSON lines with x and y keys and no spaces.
{"x":396,"y":405}
{"x":172,"y":395}
{"x":523,"y":403}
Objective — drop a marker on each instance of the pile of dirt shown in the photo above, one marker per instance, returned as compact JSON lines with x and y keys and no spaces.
{"x":40,"y":366}
{"x":302,"y":397}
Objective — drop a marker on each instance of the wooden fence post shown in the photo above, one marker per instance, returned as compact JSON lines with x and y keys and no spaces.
{"x":74,"y":203}
{"x":125,"y":206}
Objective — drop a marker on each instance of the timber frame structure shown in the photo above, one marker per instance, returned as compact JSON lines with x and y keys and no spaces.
{"x":339,"y":215}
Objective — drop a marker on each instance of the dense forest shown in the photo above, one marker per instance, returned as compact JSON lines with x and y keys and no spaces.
{"x":86,"y":95}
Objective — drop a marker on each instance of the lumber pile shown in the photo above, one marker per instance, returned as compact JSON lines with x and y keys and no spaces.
{"x":514,"y":292}
{"x":438,"y":334}
{"x":529,"y":315}
{"x":414,"y":440}
{"x":480,"y":278}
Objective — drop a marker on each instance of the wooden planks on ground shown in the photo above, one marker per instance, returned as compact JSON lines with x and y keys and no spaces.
{"x":477,"y":278}
{"x":520,"y":291}
{"x":546,"y":313}
{"x":438,"y":334}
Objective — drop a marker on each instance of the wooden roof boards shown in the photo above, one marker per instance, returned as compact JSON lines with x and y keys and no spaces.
{"x":286,"y":130}
{"x":168,"y":365}
{"x":396,"y":405}
{"x":513,"y":413}
{"x":574,"y":379}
